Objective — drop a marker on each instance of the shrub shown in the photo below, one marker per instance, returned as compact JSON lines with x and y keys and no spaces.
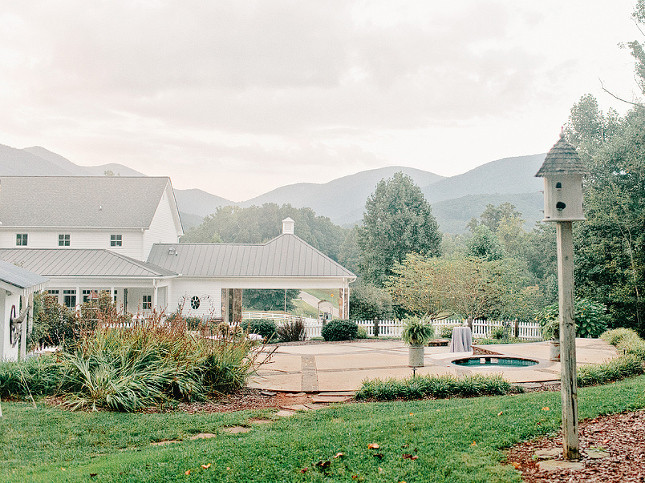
{"x":434,"y":386}
{"x":340,"y":329}
{"x":36,"y":376}
{"x":615,"y":336}
{"x":613,"y":370}
{"x":498,"y":333}
{"x":590,"y":317}
{"x":416,"y":331}
{"x":362,"y":333}
{"x":54,"y":324}
{"x":369,"y":302}
{"x":264,"y":327}
{"x":445,"y":332}
{"x":292,"y":331}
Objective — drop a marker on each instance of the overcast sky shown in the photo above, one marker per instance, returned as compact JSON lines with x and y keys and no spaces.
{"x":239,"y":97}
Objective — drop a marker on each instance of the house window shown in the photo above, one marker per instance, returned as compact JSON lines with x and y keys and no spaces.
{"x":89,"y":294}
{"x":195,"y":302}
{"x":21,"y":240}
{"x":63,"y":240}
{"x":69,"y":298}
{"x":116,"y":240}
{"x":147,"y":302}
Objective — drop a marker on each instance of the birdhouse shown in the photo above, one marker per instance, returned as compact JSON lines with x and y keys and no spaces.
{"x":562,"y":171}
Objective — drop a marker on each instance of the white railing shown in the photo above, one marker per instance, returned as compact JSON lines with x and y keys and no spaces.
{"x":480,"y":328}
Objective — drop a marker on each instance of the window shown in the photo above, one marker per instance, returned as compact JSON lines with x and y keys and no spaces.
{"x":195,"y":302}
{"x":21,"y":240}
{"x":116,"y":240}
{"x":63,"y":240}
{"x":69,"y":298}
{"x":90,"y":294}
{"x":147,"y":302}
{"x":53,"y":292}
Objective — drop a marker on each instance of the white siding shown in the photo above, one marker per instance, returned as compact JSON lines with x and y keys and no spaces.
{"x":163,"y":228}
{"x":131,"y":247}
{"x":209,"y":294}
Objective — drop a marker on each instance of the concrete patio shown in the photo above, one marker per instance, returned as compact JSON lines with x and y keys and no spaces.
{"x":343,"y":366}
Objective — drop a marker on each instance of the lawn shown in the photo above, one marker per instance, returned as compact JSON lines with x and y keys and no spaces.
{"x":328,"y":295}
{"x":455,"y":440}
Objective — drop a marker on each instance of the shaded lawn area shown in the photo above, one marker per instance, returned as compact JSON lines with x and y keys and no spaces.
{"x":455,"y":440}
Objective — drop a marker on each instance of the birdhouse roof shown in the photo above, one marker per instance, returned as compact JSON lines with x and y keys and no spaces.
{"x":562,"y":159}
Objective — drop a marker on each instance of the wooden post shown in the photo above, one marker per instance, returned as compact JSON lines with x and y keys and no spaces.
{"x":569,"y":384}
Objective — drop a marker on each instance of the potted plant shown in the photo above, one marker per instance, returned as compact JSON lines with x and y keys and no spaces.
{"x":550,"y":323}
{"x":416,"y":333}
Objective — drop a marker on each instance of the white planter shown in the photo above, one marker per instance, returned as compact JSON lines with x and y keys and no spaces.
{"x":415,"y":355}
{"x":555,"y":350}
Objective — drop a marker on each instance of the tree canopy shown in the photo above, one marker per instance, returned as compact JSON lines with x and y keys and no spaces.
{"x":397,"y":221}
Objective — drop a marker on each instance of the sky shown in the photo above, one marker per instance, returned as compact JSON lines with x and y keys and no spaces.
{"x":240,"y":97}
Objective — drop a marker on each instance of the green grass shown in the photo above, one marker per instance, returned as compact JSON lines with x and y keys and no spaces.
{"x":303,"y":309}
{"x":325,"y":295}
{"x":456,"y":440}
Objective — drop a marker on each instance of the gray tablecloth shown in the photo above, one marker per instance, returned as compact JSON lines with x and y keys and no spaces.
{"x":462,"y":340}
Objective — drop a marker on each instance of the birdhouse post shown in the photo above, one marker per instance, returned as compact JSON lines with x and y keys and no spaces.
{"x":562,"y":171}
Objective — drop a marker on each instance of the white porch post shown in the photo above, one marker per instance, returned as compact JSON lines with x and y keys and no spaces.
{"x":154,"y":294}
{"x":79,"y":300}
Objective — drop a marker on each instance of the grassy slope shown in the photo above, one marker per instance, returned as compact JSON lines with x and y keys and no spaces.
{"x":456,"y":440}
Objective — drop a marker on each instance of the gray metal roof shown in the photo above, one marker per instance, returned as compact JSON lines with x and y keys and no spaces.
{"x":18,"y":276}
{"x":79,"y":201}
{"x":562,"y":159}
{"x":63,"y":262}
{"x":284,"y":256}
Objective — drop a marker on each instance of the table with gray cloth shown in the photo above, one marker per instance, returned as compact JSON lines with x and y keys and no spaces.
{"x":462,"y":340}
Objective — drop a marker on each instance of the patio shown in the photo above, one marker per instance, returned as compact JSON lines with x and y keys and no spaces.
{"x":342,"y":366}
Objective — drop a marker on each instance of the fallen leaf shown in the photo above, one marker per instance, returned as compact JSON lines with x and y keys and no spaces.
{"x":404,"y":445}
{"x":323,"y":464}
{"x":354,"y":477}
{"x":304,"y":470}
{"x":411,"y":414}
{"x":339,"y":455}
{"x":407,"y":456}
{"x":228,"y":468}
{"x":546,"y":408}
{"x":378,"y":455}
{"x":380,"y":470}
{"x":187,"y":472}
{"x":474,"y":443}
{"x":373,"y":446}
{"x":500,"y":413}
{"x":516,"y":465}
{"x":206,"y":466}
{"x":92,"y":475}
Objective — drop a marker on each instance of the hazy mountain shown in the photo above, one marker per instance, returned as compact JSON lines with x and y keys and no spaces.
{"x":455,"y":200}
{"x":507,"y":175}
{"x":198,"y":204}
{"x":453,"y":215}
{"x":343,"y":198}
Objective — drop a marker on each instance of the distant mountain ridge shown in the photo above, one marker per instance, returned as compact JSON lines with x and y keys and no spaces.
{"x":455,"y":199}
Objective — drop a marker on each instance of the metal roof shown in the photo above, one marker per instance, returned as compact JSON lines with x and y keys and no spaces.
{"x":562,"y":159}
{"x":64,"y":262}
{"x":284,"y":256}
{"x":80,"y":201}
{"x":18,"y":276}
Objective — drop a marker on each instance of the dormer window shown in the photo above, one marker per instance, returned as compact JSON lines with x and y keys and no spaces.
{"x":63,"y":240}
{"x":21,"y":240}
{"x":116,"y":240}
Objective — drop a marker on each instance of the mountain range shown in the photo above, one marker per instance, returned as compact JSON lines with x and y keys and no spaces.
{"x":455,"y":200}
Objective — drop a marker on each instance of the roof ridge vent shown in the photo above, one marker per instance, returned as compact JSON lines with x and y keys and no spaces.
{"x":172,"y":251}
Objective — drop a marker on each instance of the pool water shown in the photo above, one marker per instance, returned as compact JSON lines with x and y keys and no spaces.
{"x":492,"y":361}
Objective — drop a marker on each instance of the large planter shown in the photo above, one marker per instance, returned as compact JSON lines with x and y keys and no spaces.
{"x":554,"y":354}
{"x":415,"y":355}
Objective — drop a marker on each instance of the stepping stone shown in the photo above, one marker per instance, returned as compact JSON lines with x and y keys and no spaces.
{"x":337,"y":393}
{"x":283,"y":413}
{"x":203,"y":436}
{"x":295,"y":407}
{"x":530,"y":385}
{"x":237,"y":429}
{"x":296,"y":394}
{"x":559,"y":465}
{"x":548,"y":454}
{"x":596,"y":453}
{"x":315,"y":406}
{"x":260,"y":421}
{"x":268,"y":393}
{"x":330,"y":399}
{"x":164,"y":442}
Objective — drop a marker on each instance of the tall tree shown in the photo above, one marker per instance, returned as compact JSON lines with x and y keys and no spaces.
{"x":397,"y":220}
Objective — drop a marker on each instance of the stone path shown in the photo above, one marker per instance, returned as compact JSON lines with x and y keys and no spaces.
{"x":334,"y":367}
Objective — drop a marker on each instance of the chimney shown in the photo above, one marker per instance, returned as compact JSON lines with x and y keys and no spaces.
{"x":287,"y":226}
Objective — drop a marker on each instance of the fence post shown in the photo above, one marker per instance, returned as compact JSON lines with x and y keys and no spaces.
{"x":517,"y":329}
{"x":376,"y":327}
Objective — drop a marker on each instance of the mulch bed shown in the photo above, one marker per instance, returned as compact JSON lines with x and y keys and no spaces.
{"x":621,"y":436}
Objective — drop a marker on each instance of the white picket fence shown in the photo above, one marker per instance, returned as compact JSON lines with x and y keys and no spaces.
{"x":481,"y":328}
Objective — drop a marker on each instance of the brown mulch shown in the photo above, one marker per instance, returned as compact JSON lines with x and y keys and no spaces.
{"x":622,"y":436}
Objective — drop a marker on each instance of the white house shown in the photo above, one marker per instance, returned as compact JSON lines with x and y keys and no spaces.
{"x":17,"y":286}
{"x":88,"y":234}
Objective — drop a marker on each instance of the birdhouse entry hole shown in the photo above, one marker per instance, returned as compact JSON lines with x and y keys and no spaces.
{"x":558,"y":185}
{"x":560,"y":206}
